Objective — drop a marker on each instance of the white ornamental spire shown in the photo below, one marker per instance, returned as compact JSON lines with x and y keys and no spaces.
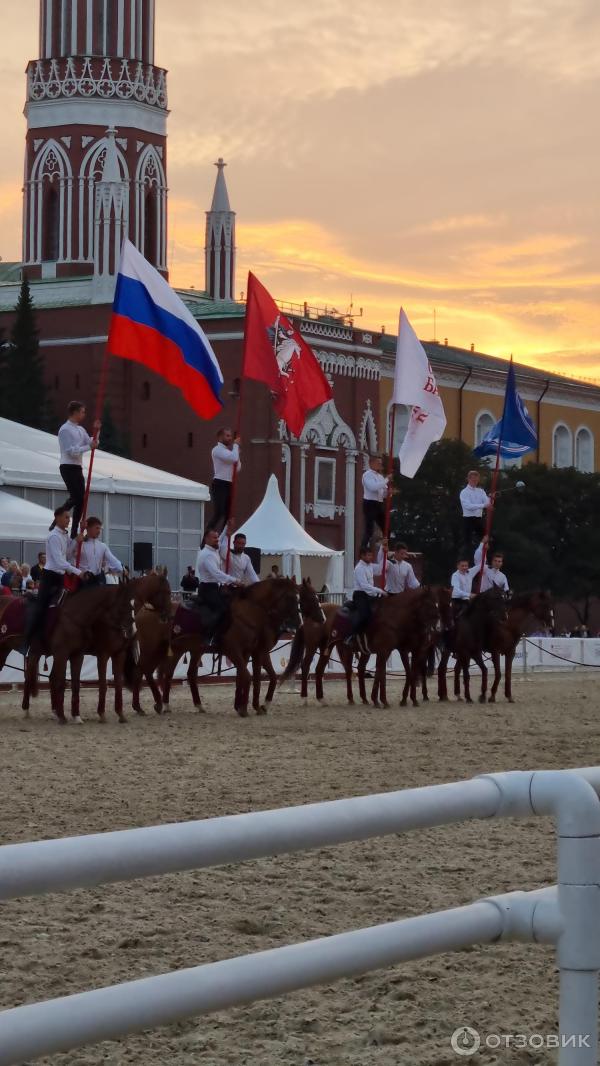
{"x":220,"y":241}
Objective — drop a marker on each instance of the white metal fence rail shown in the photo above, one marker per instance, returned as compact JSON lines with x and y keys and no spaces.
{"x":567,"y":916}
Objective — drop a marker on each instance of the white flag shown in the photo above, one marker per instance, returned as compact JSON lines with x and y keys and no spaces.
{"x":414,"y":385}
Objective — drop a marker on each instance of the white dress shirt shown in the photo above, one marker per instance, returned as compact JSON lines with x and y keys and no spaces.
{"x":473,"y":501}
{"x":491,"y":578}
{"x":224,"y":460}
{"x":461,"y":583}
{"x":375,"y":486}
{"x":240,"y":566}
{"x":363,"y":578}
{"x":73,"y":441}
{"x":208,"y":567}
{"x":57,"y":546}
{"x":398,"y":576}
{"x":96,"y":557}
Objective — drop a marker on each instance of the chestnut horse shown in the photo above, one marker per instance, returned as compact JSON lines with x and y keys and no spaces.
{"x":101,"y":622}
{"x":258,"y":613}
{"x":467,"y":640}
{"x":505,"y":635}
{"x":312,"y":636}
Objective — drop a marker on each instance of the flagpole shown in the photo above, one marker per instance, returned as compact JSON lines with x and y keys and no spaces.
{"x":490,"y":510}
{"x":388,"y":500}
{"x":231,"y":511}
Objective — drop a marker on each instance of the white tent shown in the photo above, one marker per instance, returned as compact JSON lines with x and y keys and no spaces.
{"x":22,"y":520}
{"x":281,"y":538}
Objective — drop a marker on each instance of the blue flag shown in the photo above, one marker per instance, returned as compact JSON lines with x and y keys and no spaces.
{"x":515,"y":430}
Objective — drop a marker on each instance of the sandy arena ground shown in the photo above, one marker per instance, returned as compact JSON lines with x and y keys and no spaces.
{"x":87,"y":779}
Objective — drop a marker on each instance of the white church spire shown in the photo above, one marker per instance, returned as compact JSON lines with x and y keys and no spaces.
{"x":110,"y":222}
{"x":220,"y":241}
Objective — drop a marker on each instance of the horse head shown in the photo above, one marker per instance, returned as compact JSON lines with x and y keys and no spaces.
{"x":152,"y":591}
{"x":279,"y":596}
{"x":310,"y":608}
{"x":427,"y":612}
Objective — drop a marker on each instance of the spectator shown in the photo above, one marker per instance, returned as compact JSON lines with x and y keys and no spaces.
{"x":11,"y":576}
{"x":189,"y":581}
{"x":3,"y":566}
{"x":274,"y":571}
{"x":26,"y":578}
{"x":36,"y":570}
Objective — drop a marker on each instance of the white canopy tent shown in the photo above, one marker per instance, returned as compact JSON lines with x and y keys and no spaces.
{"x":22,"y":520}
{"x":282,"y":540}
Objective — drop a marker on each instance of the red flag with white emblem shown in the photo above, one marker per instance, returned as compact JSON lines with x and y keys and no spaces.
{"x":276,"y":354}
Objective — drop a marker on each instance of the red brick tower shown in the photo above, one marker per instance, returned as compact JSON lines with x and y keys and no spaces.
{"x":95,"y":159}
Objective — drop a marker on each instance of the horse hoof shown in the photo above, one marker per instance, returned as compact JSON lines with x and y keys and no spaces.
{"x":140,"y":712}
{"x":242,"y":712}
{"x":468,"y":699}
{"x":158,"y":708}
{"x":122,"y":719}
{"x":365,"y":703}
{"x":415,"y":703}
{"x":261,"y":710}
{"x":402,"y":703}
{"x":77,"y":720}
{"x":385,"y":705}
{"x":61,"y":721}
{"x":483,"y":699}
{"x":425,"y":699}
{"x":510,"y":699}
{"x":376,"y":703}
{"x":323,"y":702}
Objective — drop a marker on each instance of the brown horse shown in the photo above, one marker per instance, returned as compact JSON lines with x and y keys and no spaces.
{"x":314,"y":635}
{"x":154,"y":637}
{"x":407,"y":622}
{"x":416,"y":664}
{"x":101,"y":622}
{"x":258,"y":613}
{"x":505,"y":635}
{"x":467,"y":640}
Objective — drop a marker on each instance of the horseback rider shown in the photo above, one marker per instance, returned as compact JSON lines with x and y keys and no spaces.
{"x":492,"y":576}
{"x":213,"y":581}
{"x":365,"y":591}
{"x":399,"y":574}
{"x":53,"y":574}
{"x":96,"y":558}
{"x":462,"y":586}
{"x":240,"y":564}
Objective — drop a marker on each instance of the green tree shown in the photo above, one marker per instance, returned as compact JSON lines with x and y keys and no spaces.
{"x":111,"y":438}
{"x":22,"y":388}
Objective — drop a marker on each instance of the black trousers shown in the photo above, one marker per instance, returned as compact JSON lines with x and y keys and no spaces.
{"x":374,"y":514}
{"x":73,"y":478}
{"x":50,"y":584}
{"x":220,"y":492}
{"x":363,"y":606}
{"x":473,"y":533}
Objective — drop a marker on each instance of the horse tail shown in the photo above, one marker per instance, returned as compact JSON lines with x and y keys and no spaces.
{"x":296,"y":653}
{"x":130,"y":666}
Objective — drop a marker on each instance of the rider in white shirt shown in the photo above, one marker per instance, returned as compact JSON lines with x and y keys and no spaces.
{"x":399,"y":574}
{"x":375,"y":490}
{"x":240,"y":564}
{"x":225,"y":459}
{"x":212,"y":578}
{"x":365,"y":591}
{"x":96,"y":557}
{"x":492,"y":575}
{"x":474,"y":501}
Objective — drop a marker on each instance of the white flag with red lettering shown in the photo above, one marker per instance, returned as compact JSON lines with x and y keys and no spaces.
{"x":414,"y":385}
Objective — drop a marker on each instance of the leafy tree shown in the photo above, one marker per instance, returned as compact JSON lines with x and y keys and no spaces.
{"x":22,"y":389}
{"x":111,"y":438}
{"x":549,"y":531}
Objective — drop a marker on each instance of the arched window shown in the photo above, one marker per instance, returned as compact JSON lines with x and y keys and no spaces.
{"x":150,"y":227}
{"x":584,"y":450}
{"x":483,"y":423}
{"x":51,"y":223}
{"x":401,"y":420}
{"x":562,"y":446}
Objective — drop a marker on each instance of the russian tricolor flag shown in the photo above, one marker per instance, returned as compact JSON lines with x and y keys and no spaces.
{"x":151,"y":325}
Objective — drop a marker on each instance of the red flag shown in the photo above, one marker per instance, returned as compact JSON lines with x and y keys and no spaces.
{"x":275,"y":353}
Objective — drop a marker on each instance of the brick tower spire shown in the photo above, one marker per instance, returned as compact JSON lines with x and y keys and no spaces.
{"x":96,"y":114}
{"x":220,"y":242}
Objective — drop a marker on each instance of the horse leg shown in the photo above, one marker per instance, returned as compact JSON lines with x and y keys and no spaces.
{"x":442,"y":681}
{"x":256,"y":677}
{"x":57,"y":688}
{"x":270,"y":671}
{"x":424,"y":692}
{"x":76,"y":664}
{"x":347,"y":658}
{"x":457,"y":669}
{"x":383,"y":681}
{"x":101,"y":709}
{"x":414,"y":675}
{"x":324,"y":658}
{"x":467,"y":680}
{"x":192,"y":680}
{"x":361,"y":670}
{"x":155,"y":690}
{"x":484,"y":676}
{"x":508,"y":662}
{"x":497,"y":676}
{"x":117,"y":665}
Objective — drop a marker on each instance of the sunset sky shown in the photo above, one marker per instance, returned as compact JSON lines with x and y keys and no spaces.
{"x":431,"y":153}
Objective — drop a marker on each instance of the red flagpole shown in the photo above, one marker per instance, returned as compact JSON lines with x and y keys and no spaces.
{"x":388,"y":500}
{"x":490,"y":510}
{"x":231,"y":510}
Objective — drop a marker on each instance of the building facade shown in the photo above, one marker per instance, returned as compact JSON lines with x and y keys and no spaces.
{"x":95,"y":172}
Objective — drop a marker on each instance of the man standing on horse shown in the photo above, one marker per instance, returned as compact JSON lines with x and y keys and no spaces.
{"x":240,"y":564}
{"x":74,"y":441}
{"x":213,"y":579}
{"x":226,"y":458}
{"x":57,"y":565}
{"x":96,"y":558}
{"x":492,"y":575}
{"x":474,"y":501}
{"x":399,"y":574}
{"x":365,"y":591}
{"x":375,"y":490}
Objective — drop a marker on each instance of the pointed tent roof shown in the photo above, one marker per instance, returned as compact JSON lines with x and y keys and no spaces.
{"x":220,"y":200}
{"x":276,"y":532}
{"x":22,"y":520}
